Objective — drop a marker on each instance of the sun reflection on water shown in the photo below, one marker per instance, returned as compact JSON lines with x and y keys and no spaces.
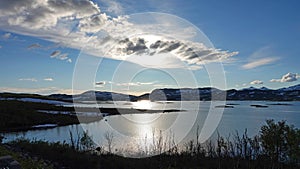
{"x":142,"y":104}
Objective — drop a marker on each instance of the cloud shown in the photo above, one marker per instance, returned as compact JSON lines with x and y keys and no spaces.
{"x":192,"y":53}
{"x":135,"y":83}
{"x":256,"y":82}
{"x":28,"y":79}
{"x":92,"y":24}
{"x":195,"y":67}
{"x":61,"y":56}
{"x":289,"y":77}
{"x":259,"y":62}
{"x":112,"y":7}
{"x":55,"y":53}
{"x":43,"y":14}
{"x":49,"y":79}
{"x":6,"y":35}
{"x":46,"y":90}
{"x":100,"y":84}
{"x":261,"y":57}
{"x":164,"y":86}
{"x":34,"y":46}
{"x":0,"y":46}
{"x":71,"y":24}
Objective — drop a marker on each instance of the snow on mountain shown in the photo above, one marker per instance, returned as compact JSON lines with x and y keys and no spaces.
{"x":264,"y":88}
{"x":249,"y":88}
{"x":291,"y":88}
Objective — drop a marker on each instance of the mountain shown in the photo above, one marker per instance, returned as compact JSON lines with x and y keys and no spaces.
{"x":291,"y":93}
{"x":96,"y":95}
{"x":291,"y":88}
{"x":284,"y":94}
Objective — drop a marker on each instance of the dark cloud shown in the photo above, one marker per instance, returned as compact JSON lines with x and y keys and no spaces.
{"x":55,"y":53}
{"x":100,"y":83}
{"x":61,"y":56}
{"x":193,"y":53}
{"x":34,"y":46}
{"x":135,"y":46}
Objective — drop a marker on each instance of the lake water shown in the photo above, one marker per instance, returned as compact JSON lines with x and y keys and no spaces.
{"x":133,"y":132}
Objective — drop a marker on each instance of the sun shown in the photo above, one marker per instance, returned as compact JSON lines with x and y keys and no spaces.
{"x":142,"y":104}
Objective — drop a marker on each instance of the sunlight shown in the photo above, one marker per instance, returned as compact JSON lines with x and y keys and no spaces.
{"x":145,"y":131}
{"x":142,"y":104}
{"x":150,"y":39}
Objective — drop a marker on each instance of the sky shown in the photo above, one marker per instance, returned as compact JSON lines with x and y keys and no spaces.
{"x":134,"y":46}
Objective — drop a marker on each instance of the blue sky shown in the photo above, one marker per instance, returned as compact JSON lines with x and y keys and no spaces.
{"x":258,"y":44}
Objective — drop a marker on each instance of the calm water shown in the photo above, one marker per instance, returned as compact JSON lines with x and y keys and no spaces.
{"x":137,"y":130}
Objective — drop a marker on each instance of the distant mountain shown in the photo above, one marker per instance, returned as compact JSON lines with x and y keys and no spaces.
{"x":96,"y":95}
{"x":207,"y":93}
{"x":252,"y":93}
{"x":291,"y":88}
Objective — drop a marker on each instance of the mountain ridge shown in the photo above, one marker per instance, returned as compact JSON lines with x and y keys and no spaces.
{"x":291,"y":93}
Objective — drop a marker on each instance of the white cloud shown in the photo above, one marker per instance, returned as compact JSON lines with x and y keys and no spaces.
{"x":134,"y":83}
{"x":195,"y":67}
{"x":261,"y":57}
{"x":112,"y":7}
{"x":289,"y":77}
{"x":6,"y":35}
{"x":46,"y":90}
{"x":28,"y":79}
{"x":70,"y":23}
{"x":256,"y":82}
{"x":49,"y":79}
{"x":44,"y":14}
{"x":164,"y":86}
{"x":259,"y":62}
{"x":92,"y":24}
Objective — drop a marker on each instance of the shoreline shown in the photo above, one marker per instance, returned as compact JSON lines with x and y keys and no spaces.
{"x":103,"y":112}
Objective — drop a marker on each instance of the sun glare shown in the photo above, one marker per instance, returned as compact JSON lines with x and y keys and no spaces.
{"x":150,"y":39}
{"x":143,"y":104}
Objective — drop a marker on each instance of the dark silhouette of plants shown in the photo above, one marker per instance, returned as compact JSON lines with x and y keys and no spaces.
{"x":276,"y":147}
{"x":280,"y":142}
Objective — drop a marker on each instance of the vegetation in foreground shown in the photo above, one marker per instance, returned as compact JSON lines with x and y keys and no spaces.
{"x":25,"y":162}
{"x":276,"y":147}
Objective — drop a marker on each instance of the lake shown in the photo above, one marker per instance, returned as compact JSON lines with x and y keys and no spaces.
{"x":133,"y":132}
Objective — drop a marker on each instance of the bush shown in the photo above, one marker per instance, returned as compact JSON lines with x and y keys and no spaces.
{"x":280,"y":142}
